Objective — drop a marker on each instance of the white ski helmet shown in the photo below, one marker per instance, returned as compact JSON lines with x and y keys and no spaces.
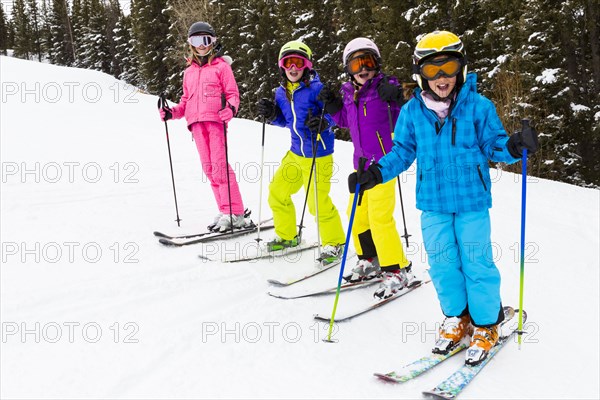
{"x":363,"y":44}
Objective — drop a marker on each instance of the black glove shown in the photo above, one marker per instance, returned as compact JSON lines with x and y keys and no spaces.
{"x":389,"y":92}
{"x":528,"y":139}
{"x":312,"y":123}
{"x":267,"y":108}
{"x":164,"y":109}
{"x":330,"y":99}
{"x":368,"y":179}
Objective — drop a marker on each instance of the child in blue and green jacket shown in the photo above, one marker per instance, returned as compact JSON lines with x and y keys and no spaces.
{"x":452,"y":132}
{"x":297,"y":108}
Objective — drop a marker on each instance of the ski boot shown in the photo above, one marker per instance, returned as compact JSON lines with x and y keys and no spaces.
{"x":452,"y":331}
{"x":484,"y":338}
{"x":364,"y":270}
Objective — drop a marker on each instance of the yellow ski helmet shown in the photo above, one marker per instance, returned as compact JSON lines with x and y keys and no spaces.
{"x":434,"y":44}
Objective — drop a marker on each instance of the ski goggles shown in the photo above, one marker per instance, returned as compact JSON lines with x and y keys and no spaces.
{"x":447,"y":66}
{"x":294,"y":60}
{"x":201,"y":40}
{"x":366,"y":61}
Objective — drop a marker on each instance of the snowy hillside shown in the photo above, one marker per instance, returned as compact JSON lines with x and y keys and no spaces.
{"x":92,"y":306}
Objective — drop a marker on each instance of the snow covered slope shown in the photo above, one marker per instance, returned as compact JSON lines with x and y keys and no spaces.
{"x":93,"y":306}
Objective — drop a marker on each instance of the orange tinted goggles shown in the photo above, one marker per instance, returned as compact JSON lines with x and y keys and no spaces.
{"x":297,"y":61}
{"x":366,"y":61}
{"x":433,"y":69}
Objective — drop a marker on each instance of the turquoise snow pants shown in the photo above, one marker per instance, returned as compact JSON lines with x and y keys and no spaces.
{"x":462,"y":269}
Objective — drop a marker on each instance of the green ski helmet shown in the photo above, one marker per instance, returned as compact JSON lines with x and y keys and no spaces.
{"x":295,"y":47}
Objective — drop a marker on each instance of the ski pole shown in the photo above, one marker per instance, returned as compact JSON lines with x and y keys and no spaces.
{"x":525,"y":127}
{"x":262,"y":163}
{"x":315,"y":148}
{"x":312,"y":168}
{"x":406,"y":235}
{"x":162,"y":103}
{"x":223,"y":105}
{"x":361,"y":166}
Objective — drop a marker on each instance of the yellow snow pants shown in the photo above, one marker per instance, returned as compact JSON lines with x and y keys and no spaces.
{"x":374,"y":230}
{"x":291,"y":175}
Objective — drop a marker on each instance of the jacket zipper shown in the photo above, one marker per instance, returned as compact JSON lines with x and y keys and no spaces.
{"x":453,"y":131}
{"x":365,"y":108}
{"x":481,"y":177}
{"x":294,"y":124}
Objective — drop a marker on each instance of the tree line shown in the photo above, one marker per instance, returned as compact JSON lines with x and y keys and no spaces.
{"x":538,"y":59}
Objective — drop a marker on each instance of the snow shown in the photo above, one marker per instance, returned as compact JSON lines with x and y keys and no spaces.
{"x":548,"y":76}
{"x":93,"y":306}
{"x":577,"y":108}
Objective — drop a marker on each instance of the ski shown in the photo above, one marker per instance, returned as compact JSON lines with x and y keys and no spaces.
{"x":316,"y":271}
{"x":210,"y":236}
{"x":263,"y":254}
{"x":197,"y":235}
{"x":452,"y":386}
{"x":418,"y":367}
{"x":424,"y":364}
{"x":371,"y":307}
{"x":333,"y":290}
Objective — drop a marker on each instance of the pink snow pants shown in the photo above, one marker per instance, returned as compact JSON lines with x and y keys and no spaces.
{"x":210,"y":142}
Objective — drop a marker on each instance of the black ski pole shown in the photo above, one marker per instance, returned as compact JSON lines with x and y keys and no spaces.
{"x":262,"y":163}
{"x":223,"y":105}
{"x":314,"y":160}
{"x":162,"y":103}
{"x":406,"y":235}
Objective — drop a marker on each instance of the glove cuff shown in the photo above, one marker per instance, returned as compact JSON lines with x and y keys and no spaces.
{"x":376,"y":168}
{"x":513,"y":147}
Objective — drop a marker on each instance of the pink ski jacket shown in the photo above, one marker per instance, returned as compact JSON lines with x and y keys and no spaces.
{"x":202,"y":89}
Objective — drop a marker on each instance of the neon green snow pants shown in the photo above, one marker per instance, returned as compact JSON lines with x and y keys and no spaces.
{"x":291,"y":175}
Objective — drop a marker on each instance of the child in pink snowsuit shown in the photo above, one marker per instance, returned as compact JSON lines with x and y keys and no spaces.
{"x":206,"y":80}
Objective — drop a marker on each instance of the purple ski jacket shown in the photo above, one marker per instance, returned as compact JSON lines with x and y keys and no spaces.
{"x":368,"y":119}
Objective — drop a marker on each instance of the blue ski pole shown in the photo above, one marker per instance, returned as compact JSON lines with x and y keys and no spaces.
{"x":525,"y":127}
{"x":357,"y":194}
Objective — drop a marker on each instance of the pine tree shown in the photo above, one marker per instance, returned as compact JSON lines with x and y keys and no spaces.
{"x":79,"y":21}
{"x":94,"y":52}
{"x":251,"y":43}
{"x":61,"y":50}
{"x":44,"y":28}
{"x":35,"y":29}
{"x":124,"y":51}
{"x":22,"y":25}
{"x":3,"y":32}
{"x":151,"y":30}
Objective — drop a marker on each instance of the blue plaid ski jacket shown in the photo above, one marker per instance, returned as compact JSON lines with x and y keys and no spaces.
{"x":453,"y":175}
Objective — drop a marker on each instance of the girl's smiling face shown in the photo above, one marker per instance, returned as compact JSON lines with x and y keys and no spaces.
{"x":293,"y":74}
{"x":363,"y":76}
{"x":442,"y":86}
{"x":203,"y":50}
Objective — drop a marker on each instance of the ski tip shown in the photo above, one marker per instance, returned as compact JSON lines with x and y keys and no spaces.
{"x":385,"y":377}
{"x":159,"y":234}
{"x":276,"y":282}
{"x":167,"y":242}
{"x":202,"y":257}
{"x":277,"y":296}
{"x":438,"y":395}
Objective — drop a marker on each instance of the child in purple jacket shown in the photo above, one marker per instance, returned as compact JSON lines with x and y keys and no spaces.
{"x":363,"y":108}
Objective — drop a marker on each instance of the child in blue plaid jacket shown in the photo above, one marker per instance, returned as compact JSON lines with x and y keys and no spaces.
{"x":452,"y":132}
